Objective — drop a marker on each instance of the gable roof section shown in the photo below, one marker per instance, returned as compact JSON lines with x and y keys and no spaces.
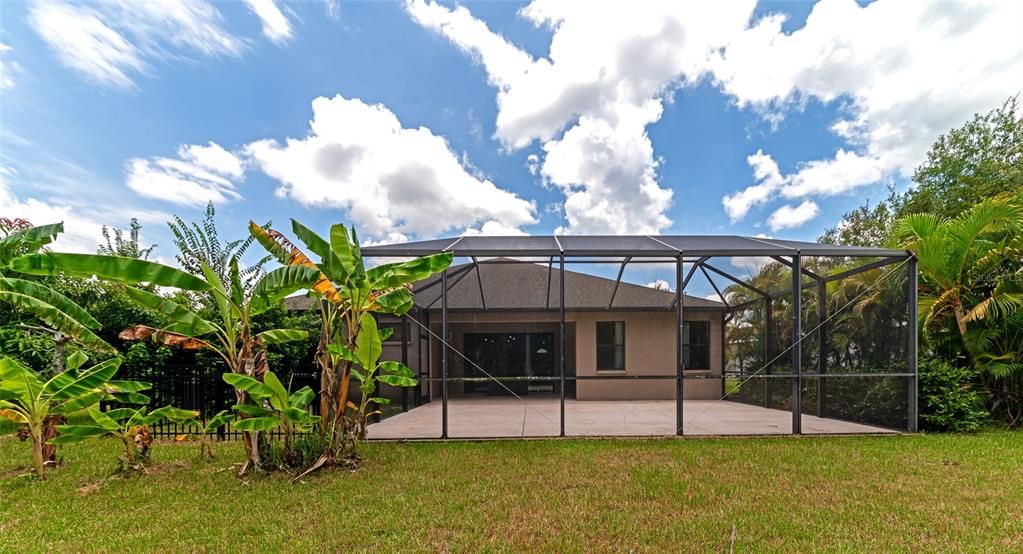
{"x":529,"y":286}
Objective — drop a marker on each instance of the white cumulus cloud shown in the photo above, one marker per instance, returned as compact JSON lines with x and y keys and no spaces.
{"x":391,"y":180}
{"x":81,"y":232}
{"x":789,"y":216}
{"x":904,"y":71}
{"x":199,"y":174}
{"x":610,"y":69}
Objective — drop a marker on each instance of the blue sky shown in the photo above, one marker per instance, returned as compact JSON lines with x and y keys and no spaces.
{"x":101,"y":102}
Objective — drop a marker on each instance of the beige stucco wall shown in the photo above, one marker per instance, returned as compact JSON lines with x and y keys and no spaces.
{"x":649,"y":350}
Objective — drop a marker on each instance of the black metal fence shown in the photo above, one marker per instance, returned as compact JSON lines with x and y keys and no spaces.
{"x":200,"y":387}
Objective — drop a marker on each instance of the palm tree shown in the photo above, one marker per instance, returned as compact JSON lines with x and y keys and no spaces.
{"x":972,"y":279}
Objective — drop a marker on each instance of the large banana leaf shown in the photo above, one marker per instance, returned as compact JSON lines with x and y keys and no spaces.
{"x":188,"y":323}
{"x":302,"y":397}
{"x":12,"y":412}
{"x":72,"y":405}
{"x":28,"y":240}
{"x":279,"y":399}
{"x":397,"y":302}
{"x":19,"y":379}
{"x":217,"y":288}
{"x":170,"y":413}
{"x":254,"y":388}
{"x":281,"y":282}
{"x":278,"y":336}
{"x":331,"y":265}
{"x":222,"y":418}
{"x":314,"y":242}
{"x":68,"y":434}
{"x":90,"y":381}
{"x":289,"y":254}
{"x":51,"y":297}
{"x":368,"y":344}
{"x":257,"y":424}
{"x":273,"y":242}
{"x":396,"y":374}
{"x":55,"y":319}
{"x":117,"y":268}
{"x":389,"y":276}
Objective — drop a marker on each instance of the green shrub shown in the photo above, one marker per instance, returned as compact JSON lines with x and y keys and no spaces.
{"x":948,"y":401}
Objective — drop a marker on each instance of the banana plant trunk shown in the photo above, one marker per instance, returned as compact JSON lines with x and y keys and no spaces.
{"x":49,"y":432}
{"x":37,"y":451}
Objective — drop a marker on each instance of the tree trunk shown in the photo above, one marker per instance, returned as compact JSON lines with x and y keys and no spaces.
{"x":959,"y":320}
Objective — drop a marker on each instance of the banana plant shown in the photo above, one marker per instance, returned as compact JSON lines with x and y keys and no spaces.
{"x":205,"y":429}
{"x":274,"y":407}
{"x":54,"y":309}
{"x":347,"y":292}
{"x":369,"y":370}
{"x":26,"y":399}
{"x":229,"y":334}
{"x":129,"y":425}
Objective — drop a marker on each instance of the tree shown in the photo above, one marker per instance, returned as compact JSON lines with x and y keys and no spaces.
{"x":866,"y":225}
{"x":198,"y":245}
{"x":972,"y":281}
{"x":969,"y":164}
{"x":128,"y":248}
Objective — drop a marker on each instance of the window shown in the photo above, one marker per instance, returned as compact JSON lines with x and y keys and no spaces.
{"x":611,"y":345}
{"x":696,"y":344}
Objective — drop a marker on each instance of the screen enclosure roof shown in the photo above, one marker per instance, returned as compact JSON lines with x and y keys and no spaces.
{"x":651,"y":246}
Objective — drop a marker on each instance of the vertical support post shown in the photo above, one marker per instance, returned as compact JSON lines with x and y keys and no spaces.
{"x":822,"y":345}
{"x":404,"y":358}
{"x":425,"y":359}
{"x":911,"y":323}
{"x":797,"y":344}
{"x":679,"y":360}
{"x":561,"y":345}
{"x":444,"y":354}
{"x":768,"y":351}
{"x":376,"y":407}
{"x":722,"y":343}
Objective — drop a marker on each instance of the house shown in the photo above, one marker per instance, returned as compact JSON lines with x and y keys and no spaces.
{"x":503,"y":322}
{"x":597,"y":356}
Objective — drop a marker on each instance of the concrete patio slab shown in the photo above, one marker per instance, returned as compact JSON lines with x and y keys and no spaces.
{"x":478,"y":417}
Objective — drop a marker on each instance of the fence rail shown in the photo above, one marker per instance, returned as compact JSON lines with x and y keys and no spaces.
{"x":200,"y":387}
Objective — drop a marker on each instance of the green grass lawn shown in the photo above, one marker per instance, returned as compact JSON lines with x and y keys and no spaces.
{"x":899,"y":493}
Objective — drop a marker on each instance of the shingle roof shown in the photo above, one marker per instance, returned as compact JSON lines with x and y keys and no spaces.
{"x":524,"y":286}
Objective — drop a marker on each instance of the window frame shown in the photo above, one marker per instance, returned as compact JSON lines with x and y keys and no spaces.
{"x":612,"y":346}
{"x":687,"y":344}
